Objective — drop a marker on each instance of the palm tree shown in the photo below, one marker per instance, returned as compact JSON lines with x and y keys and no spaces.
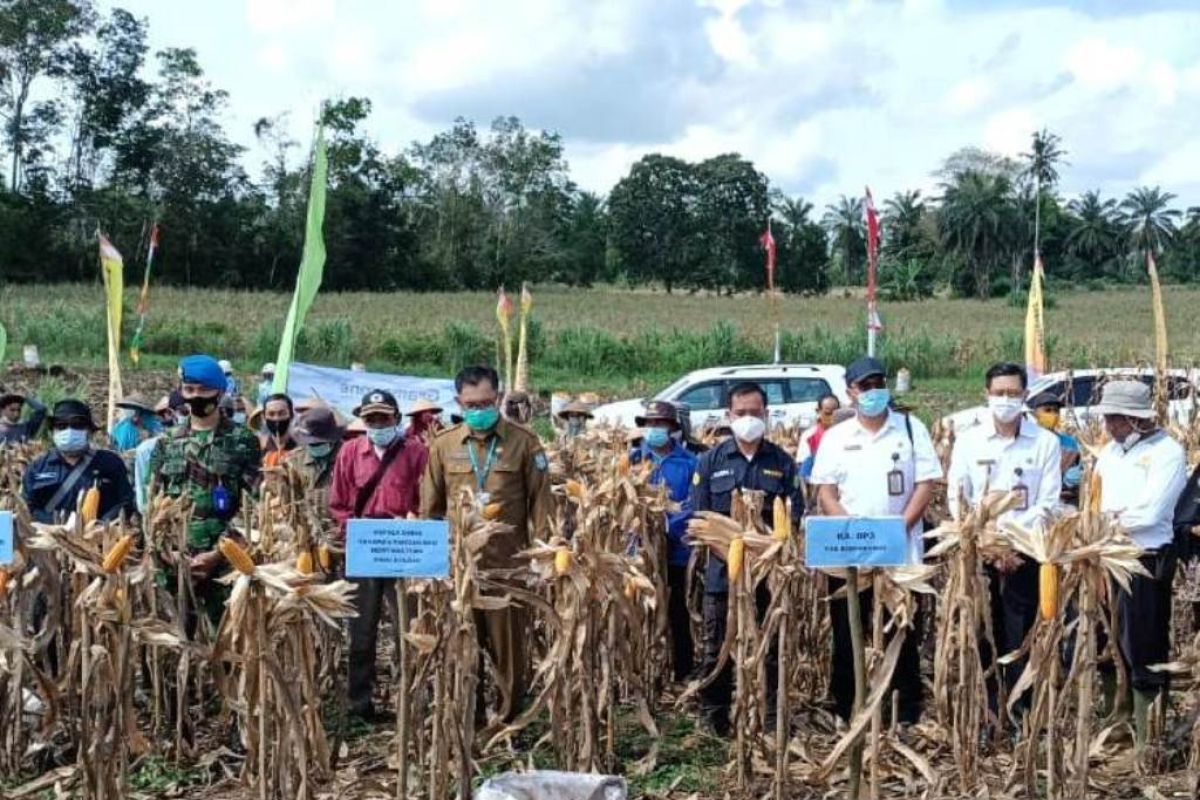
{"x":976,"y":222}
{"x":1151,"y":223}
{"x":902,"y":215}
{"x":1094,"y":231}
{"x":793,"y":210}
{"x":1041,"y":168}
{"x":844,"y":221}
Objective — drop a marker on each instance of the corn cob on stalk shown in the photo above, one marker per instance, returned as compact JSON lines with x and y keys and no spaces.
{"x":1048,"y":590}
{"x":562,"y":561}
{"x":304,"y":562}
{"x":117,"y":553}
{"x":90,"y":509}
{"x":737,"y":553}
{"x":324,"y":557}
{"x":782,"y":524}
{"x":236,"y":555}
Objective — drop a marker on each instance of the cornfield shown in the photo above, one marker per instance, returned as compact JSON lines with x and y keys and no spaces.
{"x":106,"y":664}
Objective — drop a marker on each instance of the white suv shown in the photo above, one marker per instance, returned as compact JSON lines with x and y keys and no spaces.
{"x":792,"y":393}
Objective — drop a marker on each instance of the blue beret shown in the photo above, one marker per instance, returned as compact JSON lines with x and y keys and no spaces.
{"x":203,"y":370}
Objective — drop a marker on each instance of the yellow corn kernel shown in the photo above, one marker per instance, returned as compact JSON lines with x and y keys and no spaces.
{"x":492,"y":511}
{"x":562,"y":561}
{"x":91,"y":506}
{"x":304,"y":562}
{"x":324,"y":557}
{"x":238,"y":558}
{"x":116,"y":554}
{"x":1048,"y":590}
{"x":574,"y":489}
{"x":782,"y":523}
{"x":737,"y":553}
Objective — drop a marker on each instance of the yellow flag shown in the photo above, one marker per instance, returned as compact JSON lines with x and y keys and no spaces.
{"x":112,"y":268}
{"x":1160,"y":317}
{"x":1035,"y":330}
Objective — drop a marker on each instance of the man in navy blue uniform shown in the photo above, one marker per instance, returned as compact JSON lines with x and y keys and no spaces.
{"x":54,"y":481}
{"x":744,"y":461}
{"x":674,"y":467}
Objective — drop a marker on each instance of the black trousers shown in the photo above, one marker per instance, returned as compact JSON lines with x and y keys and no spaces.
{"x":683,"y":649}
{"x":369,"y":598}
{"x":717,"y":696}
{"x":906,"y":680}
{"x":1144,"y":619}
{"x":1014,"y":606}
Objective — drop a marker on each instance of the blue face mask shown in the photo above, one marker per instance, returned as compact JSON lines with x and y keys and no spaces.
{"x":382,"y":437}
{"x":656,"y":437}
{"x":238,"y":418}
{"x":481,"y":419}
{"x":71,"y":440}
{"x":874,"y":402}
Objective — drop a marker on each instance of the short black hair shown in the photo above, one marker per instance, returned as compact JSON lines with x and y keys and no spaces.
{"x":744,"y":388}
{"x":828,"y":396}
{"x":473,"y":376}
{"x":284,"y":398}
{"x":1006,"y":369}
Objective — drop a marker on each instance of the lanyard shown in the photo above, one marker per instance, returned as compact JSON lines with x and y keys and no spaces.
{"x":481,"y":476}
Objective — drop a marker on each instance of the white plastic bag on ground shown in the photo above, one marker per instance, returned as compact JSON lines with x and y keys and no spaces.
{"x":552,"y":786}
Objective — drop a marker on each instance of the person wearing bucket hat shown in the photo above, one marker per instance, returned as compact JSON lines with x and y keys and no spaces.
{"x":213,"y":462}
{"x":376,"y":476}
{"x":138,"y":423}
{"x":426,"y":419}
{"x":575,"y":416}
{"x":54,"y":481}
{"x":12,"y":429}
{"x":319,"y":432}
{"x":673,"y":466}
{"x":881,"y":463}
{"x":1142,"y":473}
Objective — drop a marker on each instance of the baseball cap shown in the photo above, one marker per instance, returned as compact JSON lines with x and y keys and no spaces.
{"x":377,"y":401}
{"x":864,"y":368}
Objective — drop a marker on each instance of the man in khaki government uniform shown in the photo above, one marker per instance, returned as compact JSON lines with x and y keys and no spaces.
{"x":503,"y":463}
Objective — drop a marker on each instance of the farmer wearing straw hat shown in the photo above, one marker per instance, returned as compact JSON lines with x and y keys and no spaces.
{"x":12,"y":429}
{"x":502,"y":463}
{"x":574,"y":417}
{"x":1142,"y":473}
{"x":138,"y":423}
{"x":211,"y":461}
{"x":426,"y":419}
{"x":53,"y":482}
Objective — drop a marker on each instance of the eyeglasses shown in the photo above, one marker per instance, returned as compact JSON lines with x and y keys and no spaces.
{"x":73,"y":424}
{"x":478,"y":405}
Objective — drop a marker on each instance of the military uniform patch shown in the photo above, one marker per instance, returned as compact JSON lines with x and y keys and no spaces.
{"x":540,"y":461}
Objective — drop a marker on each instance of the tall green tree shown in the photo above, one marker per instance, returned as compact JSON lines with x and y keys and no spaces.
{"x":1094,"y":233}
{"x":976,"y":221}
{"x":1147,"y":214}
{"x":651,"y":213}
{"x":847,"y":232}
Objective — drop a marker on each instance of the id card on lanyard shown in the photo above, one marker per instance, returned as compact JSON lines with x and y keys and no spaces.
{"x":481,"y":475}
{"x":1020,"y":490}
{"x":895,"y":478}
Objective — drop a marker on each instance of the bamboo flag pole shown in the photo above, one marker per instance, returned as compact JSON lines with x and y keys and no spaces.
{"x":853,"y":608}
{"x":112,"y":267}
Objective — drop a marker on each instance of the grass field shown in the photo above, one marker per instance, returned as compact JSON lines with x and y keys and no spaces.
{"x":608,"y":340}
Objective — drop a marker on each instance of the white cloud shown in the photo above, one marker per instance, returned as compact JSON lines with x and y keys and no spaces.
{"x":1007,"y":132}
{"x":967,"y":95}
{"x":281,"y":15}
{"x":1099,"y":64}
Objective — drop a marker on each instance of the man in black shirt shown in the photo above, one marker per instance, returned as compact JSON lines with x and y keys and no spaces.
{"x":745,"y":461}
{"x":53,"y":482}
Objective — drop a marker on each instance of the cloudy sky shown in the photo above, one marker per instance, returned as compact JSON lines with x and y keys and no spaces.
{"x":823,"y":96}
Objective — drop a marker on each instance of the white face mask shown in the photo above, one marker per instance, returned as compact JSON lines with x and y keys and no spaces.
{"x":1005,"y":409}
{"x":748,"y":429}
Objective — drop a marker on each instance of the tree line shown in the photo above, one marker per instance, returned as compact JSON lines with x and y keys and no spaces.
{"x":102,"y":134}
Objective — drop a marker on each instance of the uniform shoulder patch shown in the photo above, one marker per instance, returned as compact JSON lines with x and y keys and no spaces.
{"x":540,"y":461}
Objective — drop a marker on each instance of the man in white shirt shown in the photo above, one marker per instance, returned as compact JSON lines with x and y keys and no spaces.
{"x":1008,"y":452}
{"x":880,"y":463}
{"x":1142,"y":473}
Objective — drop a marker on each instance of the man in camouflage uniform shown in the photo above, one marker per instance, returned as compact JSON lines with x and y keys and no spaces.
{"x":212,"y":461}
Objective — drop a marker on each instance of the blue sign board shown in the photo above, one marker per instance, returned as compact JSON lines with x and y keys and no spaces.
{"x":6,"y":538}
{"x":397,"y":548}
{"x":855,"y":542}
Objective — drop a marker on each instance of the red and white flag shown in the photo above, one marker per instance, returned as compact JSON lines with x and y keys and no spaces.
{"x":874,"y":322}
{"x":768,"y":243}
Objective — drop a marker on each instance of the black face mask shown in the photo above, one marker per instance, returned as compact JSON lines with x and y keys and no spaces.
{"x":278,"y":427}
{"x":202,"y":406}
